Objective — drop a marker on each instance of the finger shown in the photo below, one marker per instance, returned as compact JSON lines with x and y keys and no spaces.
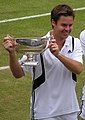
{"x":8,"y":37}
{"x":8,"y":45}
{"x":52,"y":41}
{"x":7,"y":42}
{"x":52,"y":37}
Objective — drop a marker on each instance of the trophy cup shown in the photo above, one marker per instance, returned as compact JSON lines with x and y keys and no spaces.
{"x":30,"y":47}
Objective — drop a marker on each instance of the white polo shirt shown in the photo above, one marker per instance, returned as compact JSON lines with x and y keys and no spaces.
{"x":82,"y":40}
{"x":56,"y":95}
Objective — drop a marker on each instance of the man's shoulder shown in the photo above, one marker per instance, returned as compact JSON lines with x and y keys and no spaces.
{"x":72,"y":37}
{"x":82,"y":35}
{"x":82,"y":32}
{"x":73,"y":40}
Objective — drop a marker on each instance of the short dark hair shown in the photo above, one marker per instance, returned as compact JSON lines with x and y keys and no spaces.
{"x":61,"y":10}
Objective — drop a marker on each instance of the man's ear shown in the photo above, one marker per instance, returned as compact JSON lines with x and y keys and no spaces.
{"x":53,"y":23}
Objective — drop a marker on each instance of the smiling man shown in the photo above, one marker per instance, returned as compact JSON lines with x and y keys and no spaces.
{"x":54,"y":78}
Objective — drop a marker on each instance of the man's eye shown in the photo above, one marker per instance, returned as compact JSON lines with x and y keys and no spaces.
{"x":70,"y":25}
{"x":64,"y":25}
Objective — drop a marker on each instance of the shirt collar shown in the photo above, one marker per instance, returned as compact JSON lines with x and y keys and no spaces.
{"x":67,"y":44}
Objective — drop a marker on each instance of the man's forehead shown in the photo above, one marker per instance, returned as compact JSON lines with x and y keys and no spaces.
{"x":66,"y":18}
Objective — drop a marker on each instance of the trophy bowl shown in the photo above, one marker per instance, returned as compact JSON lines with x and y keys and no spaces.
{"x":30,"y":48}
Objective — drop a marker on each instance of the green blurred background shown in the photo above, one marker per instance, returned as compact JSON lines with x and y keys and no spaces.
{"x":15,"y":93}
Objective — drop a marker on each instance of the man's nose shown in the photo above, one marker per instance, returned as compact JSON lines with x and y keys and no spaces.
{"x":67,"y":28}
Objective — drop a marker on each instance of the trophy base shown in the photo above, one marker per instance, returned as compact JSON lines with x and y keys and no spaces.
{"x":32,"y":63}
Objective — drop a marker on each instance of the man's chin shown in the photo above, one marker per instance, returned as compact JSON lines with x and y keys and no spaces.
{"x":65,"y":36}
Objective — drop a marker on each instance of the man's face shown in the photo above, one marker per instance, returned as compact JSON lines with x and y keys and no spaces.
{"x":63,"y":27}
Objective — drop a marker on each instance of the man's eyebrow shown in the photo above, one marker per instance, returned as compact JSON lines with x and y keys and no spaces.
{"x":67,"y":24}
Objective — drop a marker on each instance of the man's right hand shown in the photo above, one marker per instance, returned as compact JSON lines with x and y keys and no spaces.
{"x":9,"y":44}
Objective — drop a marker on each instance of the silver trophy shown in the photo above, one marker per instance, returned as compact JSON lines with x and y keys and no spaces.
{"x":30,"y":48}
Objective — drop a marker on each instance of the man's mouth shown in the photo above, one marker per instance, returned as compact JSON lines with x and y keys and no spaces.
{"x":66,"y":33}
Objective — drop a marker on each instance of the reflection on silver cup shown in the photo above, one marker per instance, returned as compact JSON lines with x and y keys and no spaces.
{"x":31,"y":47}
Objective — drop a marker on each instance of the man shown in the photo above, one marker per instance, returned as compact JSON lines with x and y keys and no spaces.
{"x":54,"y":78}
{"x":82,"y":40}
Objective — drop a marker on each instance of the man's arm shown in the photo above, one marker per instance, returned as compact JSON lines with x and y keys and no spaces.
{"x":9,"y":44}
{"x":72,"y":65}
{"x":15,"y":67}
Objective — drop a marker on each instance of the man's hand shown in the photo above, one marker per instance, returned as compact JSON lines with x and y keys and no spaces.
{"x":53,"y":47}
{"x":9,"y":44}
